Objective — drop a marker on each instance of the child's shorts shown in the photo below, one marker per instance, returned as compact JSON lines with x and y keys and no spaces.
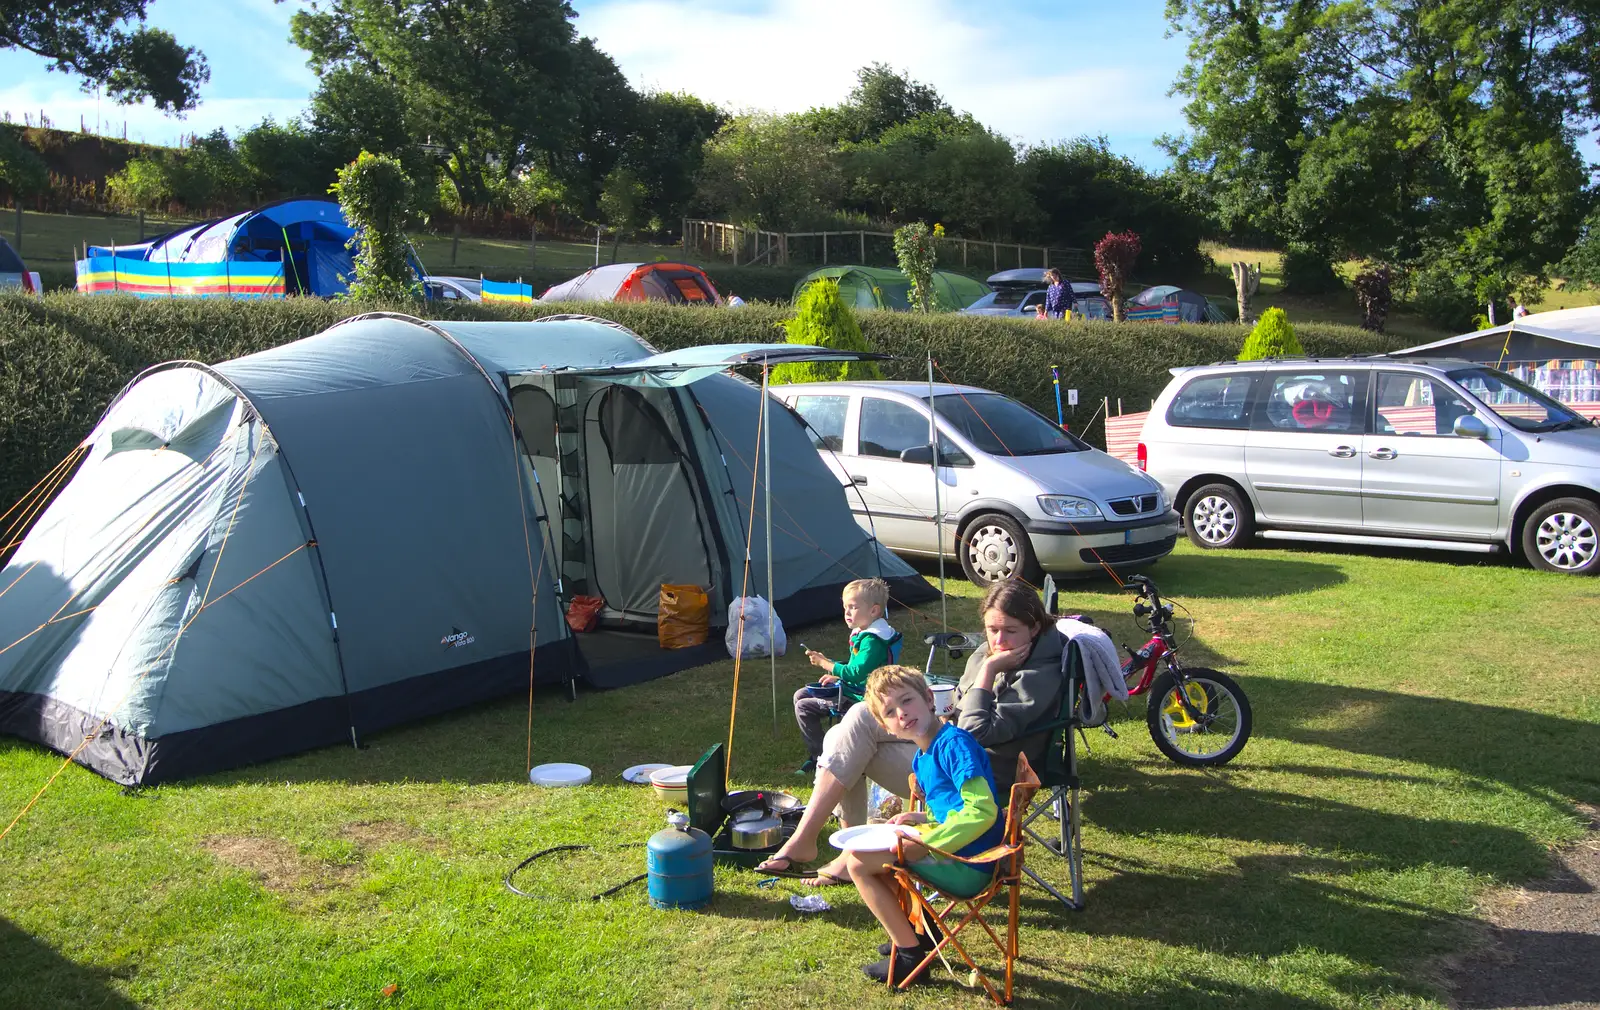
{"x":958,"y":880}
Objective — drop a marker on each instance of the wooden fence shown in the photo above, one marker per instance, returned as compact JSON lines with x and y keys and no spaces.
{"x":753,"y":246}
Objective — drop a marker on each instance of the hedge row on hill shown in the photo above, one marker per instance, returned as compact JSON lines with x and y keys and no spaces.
{"x":63,"y":357}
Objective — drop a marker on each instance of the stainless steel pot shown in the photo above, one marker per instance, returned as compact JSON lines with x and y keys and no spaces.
{"x":756,"y":828}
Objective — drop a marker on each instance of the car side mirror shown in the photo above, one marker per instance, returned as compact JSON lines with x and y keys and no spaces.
{"x":917,"y":454}
{"x":1470,"y":426}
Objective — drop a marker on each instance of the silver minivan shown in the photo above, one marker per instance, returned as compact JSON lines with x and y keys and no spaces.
{"x":1019,"y":495}
{"x":1378,"y":450}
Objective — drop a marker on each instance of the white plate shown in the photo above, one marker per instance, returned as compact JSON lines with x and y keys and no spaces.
{"x":559,"y":774}
{"x":640,"y":774}
{"x":870,"y":837}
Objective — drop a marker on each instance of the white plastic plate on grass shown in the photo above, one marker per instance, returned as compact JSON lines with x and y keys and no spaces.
{"x":870,"y":837}
{"x":640,"y":774}
{"x":559,"y":774}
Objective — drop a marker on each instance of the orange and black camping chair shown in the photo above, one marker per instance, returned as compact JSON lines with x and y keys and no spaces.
{"x":962,"y":910}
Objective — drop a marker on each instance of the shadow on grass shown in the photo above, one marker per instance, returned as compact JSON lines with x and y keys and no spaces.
{"x":1450,"y":558}
{"x":1543,"y":755}
{"x":1196,"y":576}
{"x":38,"y":977}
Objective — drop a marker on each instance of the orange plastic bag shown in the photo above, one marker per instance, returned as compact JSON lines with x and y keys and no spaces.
{"x":583,"y":613}
{"x":684,"y":618}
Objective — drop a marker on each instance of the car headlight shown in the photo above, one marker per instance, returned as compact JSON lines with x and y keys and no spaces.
{"x":1068,"y":507}
{"x":1161,"y":500}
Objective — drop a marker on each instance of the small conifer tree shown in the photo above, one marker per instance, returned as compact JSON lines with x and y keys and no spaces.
{"x":1272,"y":337}
{"x":822,"y":318}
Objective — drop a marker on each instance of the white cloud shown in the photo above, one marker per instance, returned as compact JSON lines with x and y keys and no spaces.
{"x":789,"y":55}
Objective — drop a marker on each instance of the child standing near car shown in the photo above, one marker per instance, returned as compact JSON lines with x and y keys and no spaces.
{"x":873,"y":643}
{"x":963,"y":817}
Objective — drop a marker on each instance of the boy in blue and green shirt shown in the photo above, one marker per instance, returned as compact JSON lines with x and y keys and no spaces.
{"x":962,"y":818}
{"x":873,"y":643}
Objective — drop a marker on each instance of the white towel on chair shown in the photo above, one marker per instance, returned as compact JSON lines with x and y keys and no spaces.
{"x":1102,"y":673}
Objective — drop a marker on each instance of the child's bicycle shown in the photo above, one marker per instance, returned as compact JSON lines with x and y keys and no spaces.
{"x":1196,"y":716}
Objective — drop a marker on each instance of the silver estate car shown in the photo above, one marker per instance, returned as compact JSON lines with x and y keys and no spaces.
{"x":1407,"y":452}
{"x":1019,"y":495}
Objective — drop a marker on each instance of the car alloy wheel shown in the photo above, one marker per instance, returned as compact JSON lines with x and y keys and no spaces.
{"x":1566,"y":541}
{"x":992,"y":552}
{"x":1215,"y":519}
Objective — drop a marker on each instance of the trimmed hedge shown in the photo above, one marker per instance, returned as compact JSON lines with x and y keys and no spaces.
{"x":63,"y":357}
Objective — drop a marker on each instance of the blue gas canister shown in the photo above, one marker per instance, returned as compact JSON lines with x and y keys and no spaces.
{"x":679,"y":865}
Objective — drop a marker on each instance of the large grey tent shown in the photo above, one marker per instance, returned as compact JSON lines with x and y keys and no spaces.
{"x":364,"y":527}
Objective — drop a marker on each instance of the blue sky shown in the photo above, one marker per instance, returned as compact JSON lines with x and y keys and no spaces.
{"x":1035,"y":76}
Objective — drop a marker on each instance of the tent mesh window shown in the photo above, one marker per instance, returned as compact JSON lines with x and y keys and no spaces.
{"x":633,"y":431}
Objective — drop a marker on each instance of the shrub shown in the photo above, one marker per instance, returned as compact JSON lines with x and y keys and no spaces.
{"x":1271,"y":337}
{"x":375,"y":196}
{"x":822,"y":318}
{"x":1114,"y":257}
{"x":141,"y":185}
{"x":1308,"y":271}
{"x":914,"y":248}
{"x":1373,"y":297}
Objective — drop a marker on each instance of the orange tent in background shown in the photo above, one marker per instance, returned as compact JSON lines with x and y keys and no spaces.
{"x":678,"y":283}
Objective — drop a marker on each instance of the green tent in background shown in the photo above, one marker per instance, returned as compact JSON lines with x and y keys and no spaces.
{"x":885,"y":288}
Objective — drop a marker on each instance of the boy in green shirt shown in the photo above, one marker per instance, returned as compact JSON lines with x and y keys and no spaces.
{"x":873,"y":643}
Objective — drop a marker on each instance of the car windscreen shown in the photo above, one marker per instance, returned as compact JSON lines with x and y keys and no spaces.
{"x":1517,"y":403}
{"x":1000,"y":426}
{"x":1010,"y":298}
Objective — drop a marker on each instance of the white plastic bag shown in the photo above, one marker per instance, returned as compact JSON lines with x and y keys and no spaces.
{"x":751,"y":611}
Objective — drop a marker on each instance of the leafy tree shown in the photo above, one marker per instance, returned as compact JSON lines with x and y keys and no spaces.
{"x":1271,"y":337}
{"x":770,"y":171}
{"x":1083,"y":190}
{"x":1114,"y":257}
{"x":666,"y":150}
{"x":604,"y":113}
{"x":1581,"y":266}
{"x":357,"y":108}
{"x":22,"y":171}
{"x":375,"y":196}
{"x":284,"y":160}
{"x":622,"y":203}
{"x":939,"y":165}
{"x":492,"y":86}
{"x":99,"y":41}
{"x":914,"y":247}
{"x":823,"y":319}
{"x":882,"y":99}
{"x":1438,"y":135}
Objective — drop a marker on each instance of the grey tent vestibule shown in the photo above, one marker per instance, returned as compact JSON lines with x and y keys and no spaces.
{"x":377,"y":524}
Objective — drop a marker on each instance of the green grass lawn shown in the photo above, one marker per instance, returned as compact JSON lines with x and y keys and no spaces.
{"x":1424,"y":726}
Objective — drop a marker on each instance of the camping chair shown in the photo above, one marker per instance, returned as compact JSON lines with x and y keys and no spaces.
{"x":1007,"y":858}
{"x":1058,"y":773}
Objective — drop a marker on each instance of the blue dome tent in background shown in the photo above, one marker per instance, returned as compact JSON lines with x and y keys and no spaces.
{"x":292,"y":247}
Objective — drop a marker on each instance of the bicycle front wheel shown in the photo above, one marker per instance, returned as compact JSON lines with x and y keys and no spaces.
{"x":1217,"y":737}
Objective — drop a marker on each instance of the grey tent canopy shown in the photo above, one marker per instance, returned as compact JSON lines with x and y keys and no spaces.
{"x":377,"y":523}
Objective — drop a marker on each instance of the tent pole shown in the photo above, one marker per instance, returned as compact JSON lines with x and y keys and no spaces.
{"x":772,"y":601}
{"x":938,"y":510}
